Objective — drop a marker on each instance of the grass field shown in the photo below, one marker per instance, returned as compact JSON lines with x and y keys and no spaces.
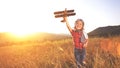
{"x":101,"y":53}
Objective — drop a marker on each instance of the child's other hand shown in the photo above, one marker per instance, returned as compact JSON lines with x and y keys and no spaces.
{"x":84,"y":46}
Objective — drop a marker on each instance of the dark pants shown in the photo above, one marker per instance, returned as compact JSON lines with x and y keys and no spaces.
{"x":79,"y":56}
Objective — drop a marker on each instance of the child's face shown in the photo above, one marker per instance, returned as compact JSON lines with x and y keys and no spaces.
{"x":79,"y":25}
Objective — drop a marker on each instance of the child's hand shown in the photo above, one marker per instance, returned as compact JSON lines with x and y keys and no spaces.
{"x":84,"y":46}
{"x":65,"y":18}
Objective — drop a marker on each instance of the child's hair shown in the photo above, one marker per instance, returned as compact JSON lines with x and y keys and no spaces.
{"x":81,"y":21}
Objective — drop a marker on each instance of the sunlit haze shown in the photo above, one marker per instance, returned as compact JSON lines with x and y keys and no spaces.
{"x":26,"y":16}
{"x":21,"y":34}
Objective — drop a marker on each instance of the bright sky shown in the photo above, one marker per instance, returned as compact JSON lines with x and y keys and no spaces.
{"x":37,"y":15}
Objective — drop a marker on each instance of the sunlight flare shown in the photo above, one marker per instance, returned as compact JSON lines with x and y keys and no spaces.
{"x":21,"y":34}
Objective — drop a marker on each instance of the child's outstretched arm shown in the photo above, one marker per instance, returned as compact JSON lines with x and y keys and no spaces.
{"x":67,"y":24}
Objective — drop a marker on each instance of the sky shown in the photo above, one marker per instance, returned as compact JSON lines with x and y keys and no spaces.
{"x":37,"y":15}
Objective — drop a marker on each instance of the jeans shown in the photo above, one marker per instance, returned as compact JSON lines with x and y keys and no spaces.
{"x":79,"y":56}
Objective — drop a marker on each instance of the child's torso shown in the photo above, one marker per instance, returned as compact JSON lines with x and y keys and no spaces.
{"x":76,"y":39}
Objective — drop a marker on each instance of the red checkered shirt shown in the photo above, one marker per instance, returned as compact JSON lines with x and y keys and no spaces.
{"x":76,"y":35}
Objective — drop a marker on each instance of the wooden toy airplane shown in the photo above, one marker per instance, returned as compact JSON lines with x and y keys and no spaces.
{"x":64,"y":13}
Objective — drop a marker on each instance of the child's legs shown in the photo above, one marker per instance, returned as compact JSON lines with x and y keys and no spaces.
{"x":82,"y":56}
{"x":79,"y":56}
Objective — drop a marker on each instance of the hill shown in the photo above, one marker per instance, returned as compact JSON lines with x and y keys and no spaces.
{"x":105,"y":31}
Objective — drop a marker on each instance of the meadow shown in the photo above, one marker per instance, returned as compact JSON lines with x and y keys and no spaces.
{"x":101,"y":53}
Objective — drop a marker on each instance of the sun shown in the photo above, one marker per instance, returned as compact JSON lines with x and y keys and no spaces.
{"x":21,"y":34}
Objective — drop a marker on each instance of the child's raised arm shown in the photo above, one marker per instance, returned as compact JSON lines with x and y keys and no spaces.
{"x":67,"y":24}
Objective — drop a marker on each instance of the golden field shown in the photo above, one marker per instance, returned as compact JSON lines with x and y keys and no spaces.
{"x":101,"y":53}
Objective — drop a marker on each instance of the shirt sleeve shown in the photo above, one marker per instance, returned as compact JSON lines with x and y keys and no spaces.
{"x":85,"y":35}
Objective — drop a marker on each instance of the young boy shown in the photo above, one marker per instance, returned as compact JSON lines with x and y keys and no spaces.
{"x":80,"y":40}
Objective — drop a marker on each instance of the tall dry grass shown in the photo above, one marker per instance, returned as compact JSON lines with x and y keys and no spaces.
{"x":59,"y":54}
{"x":103,"y":53}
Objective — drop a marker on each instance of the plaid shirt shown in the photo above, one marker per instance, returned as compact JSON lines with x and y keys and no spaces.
{"x":76,"y":39}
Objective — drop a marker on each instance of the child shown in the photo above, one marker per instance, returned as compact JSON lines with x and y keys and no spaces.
{"x":80,"y":40}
